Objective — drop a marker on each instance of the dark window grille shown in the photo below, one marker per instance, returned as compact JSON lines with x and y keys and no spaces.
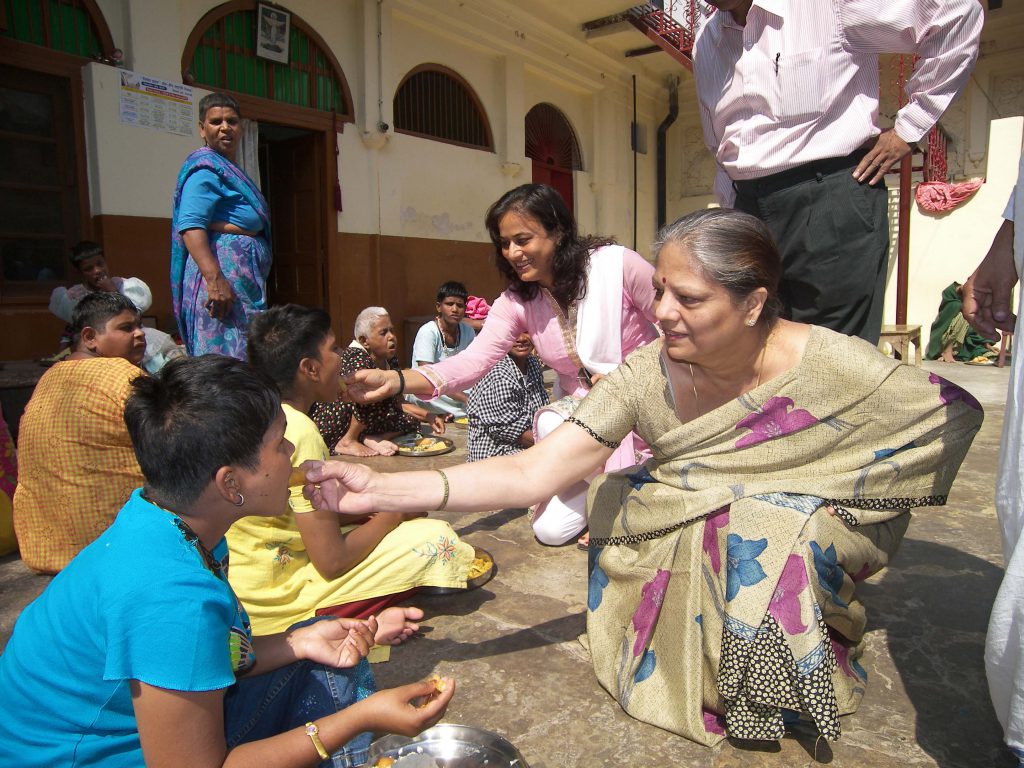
{"x":436,"y":103}
{"x":63,"y":25}
{"x":550,"y":138}
{"x":225,"y":59}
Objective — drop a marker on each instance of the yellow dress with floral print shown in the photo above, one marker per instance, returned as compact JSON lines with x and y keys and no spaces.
{"x":278,"y":584}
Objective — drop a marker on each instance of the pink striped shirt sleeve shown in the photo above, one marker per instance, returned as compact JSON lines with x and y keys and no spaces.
{"x":799,"y":81}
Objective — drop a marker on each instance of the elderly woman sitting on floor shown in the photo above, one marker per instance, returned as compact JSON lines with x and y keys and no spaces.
{"x":786,"y":457}
{"x":367,"y":430}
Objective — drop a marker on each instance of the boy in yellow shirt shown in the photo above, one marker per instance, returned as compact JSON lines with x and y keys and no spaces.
{"x":305,"y":562}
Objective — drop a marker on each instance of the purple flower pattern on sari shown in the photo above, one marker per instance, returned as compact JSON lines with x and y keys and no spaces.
{"x":774,"y":419}
{"x":712,"y":523}
{"x":646,"y":614}
{"x":714,"y":723}
{"x":743,"y":570}
{"x":950,"y":392}
{"x":785,"y":603}
{"x":851,"y":668}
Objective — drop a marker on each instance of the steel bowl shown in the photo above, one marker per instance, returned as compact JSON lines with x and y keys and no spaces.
{"x":451,"y":746}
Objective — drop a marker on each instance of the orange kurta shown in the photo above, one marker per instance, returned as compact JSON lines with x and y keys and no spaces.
{"x":76,"y":465}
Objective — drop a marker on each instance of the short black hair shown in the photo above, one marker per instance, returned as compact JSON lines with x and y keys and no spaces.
{"x":94,"y":310}
{"x":452,"y":288}
{"x":82,"y":250}
{"x":217,"y":99}
{"x":282,"y":336}
{"x":200,"y":414}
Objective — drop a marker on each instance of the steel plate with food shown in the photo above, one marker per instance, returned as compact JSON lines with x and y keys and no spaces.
{"x":423,"y":446}
{"x":446,"y":746}
{"x":461,"y":421}
{"x":481,"y":570}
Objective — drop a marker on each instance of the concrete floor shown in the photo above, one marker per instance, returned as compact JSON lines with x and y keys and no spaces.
{"x":512,"y":645}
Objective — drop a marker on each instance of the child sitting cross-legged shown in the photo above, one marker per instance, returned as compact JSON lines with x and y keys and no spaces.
{"x":300,"y":563}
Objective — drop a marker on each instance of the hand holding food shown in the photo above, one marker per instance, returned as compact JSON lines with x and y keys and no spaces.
{"x":340,"y":487}
{"x":403,"y":710}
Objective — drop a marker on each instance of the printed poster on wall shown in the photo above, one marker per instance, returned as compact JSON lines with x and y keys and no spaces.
{"x":159,"y":104}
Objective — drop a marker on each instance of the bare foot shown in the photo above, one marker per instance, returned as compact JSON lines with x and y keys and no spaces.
{"x":353,"y":448}
{"x":381,"y":447}
{"x":396,"y":625}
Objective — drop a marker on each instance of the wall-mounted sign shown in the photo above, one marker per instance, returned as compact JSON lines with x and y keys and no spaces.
{"x":158,"y":104}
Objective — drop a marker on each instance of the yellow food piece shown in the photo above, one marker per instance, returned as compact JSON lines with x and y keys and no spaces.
{"x":424,"y":443}
{"x":297,"y":477}
{"x":384,"y":762}
{"x":438,"y":682}
{"x":478,"y":567}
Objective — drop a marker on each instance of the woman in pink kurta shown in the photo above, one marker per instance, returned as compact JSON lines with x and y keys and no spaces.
{"x":585,"y":302}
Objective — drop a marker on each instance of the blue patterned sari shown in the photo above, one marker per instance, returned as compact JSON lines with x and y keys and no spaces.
{"x":244,"y":260}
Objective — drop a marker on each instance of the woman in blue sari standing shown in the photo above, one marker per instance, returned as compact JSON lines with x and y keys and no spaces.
{"x":220,"y":239}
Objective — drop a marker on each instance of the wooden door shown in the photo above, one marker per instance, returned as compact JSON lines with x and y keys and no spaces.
{"x":295,"y":194}
{"x":40,"y":216}
{"x":559,"y":178}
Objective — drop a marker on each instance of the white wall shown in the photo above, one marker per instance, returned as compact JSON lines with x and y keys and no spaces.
{"x":132,"y":170}
{"x":395,"y":184}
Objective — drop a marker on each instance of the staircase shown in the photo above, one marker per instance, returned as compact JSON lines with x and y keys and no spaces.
{"x":663,"y":26}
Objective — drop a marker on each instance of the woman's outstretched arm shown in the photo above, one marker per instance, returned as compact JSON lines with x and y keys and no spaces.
{"x":566,"y":456}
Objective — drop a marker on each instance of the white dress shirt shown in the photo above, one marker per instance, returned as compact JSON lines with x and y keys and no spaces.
{"x":799,"y":82}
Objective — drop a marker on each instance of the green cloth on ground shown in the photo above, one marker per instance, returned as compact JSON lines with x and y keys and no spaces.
{"x":949,"y":325}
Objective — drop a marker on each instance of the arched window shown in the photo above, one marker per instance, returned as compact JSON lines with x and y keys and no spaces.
{"x":551,"y":145}
{"x":436,"y":103}
{"x":70,"y":26}
{"x":550,"y":139}
{"x":221,"y":54}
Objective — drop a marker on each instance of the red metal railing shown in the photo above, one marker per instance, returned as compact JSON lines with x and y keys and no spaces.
{"x":672,"y":25}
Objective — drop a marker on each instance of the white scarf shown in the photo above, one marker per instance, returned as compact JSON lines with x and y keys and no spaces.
{"x":599,"y":314}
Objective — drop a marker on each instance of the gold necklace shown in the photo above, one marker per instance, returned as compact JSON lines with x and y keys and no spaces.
{"x":760,"y":367}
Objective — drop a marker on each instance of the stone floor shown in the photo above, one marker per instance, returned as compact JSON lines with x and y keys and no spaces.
{"x":512,"y":645}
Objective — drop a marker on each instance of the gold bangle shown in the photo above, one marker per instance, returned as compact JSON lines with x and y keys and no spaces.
{"x":444,"y":499}
{"x":314,"y":735}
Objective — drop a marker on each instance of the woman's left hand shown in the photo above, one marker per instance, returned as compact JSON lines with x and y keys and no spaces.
{"x":334,"y":642}
{"x":339,"y":486}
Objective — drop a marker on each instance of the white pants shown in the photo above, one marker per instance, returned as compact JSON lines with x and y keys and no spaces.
{"x":564,"y":516}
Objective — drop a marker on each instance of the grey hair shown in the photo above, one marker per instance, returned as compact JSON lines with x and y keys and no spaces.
{"x":734,"y":250}
{"x":366,"y":319}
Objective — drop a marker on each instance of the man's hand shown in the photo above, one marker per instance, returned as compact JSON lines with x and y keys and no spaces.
{"x":987,"y":293}
{"x":889,"y":149}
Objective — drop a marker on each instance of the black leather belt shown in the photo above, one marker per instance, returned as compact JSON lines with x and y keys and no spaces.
{"x":813,"y":170}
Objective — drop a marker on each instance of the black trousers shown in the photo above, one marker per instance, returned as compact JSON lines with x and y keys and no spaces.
{"x":833,"y":235}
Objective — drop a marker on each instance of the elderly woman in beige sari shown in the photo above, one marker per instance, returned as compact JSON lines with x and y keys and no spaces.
{"x":786,"y":458}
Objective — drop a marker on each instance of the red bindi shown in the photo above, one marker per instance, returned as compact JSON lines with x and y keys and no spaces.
{"x":664,"y":281}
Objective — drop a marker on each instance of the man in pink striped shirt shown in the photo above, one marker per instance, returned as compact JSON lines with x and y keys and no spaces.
{"x":788,"y":97}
